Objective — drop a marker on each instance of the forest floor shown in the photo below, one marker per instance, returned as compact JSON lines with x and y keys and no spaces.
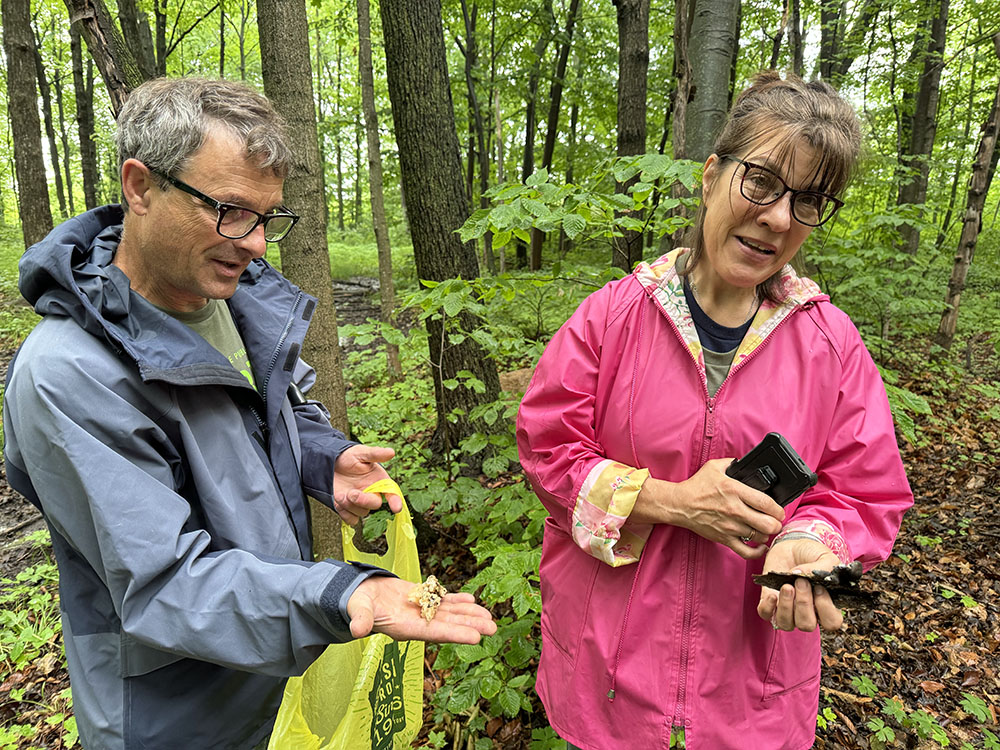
{"x":920,"y":669}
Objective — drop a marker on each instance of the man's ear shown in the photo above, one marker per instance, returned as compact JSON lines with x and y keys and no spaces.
{"x":137,"y":186}
{"x":708,"y":173}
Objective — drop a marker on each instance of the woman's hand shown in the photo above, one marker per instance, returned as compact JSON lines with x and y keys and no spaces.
{"x":714,"y":506}
{"x":804,"y":605}
{"x":357,"y":468}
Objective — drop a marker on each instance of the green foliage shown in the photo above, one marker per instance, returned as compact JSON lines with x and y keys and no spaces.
{"x":29,"y":641}
{"x":594,"y":211}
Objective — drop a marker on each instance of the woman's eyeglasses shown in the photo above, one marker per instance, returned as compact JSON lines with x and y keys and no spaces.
{"x":763,"y":187}
{"x":236,"y":222}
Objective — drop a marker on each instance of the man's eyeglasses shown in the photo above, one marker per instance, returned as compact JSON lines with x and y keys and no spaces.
{"x":236,"y":222}
{"x":762,"y":186}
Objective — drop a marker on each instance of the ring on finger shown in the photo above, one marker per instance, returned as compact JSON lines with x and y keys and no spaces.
{"x":749,"y":537}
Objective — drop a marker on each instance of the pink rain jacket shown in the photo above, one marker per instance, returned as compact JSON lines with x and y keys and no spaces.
{"x":648,"y":627}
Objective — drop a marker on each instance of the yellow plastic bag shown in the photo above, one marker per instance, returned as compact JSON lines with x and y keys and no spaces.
{"x":366,"y":694}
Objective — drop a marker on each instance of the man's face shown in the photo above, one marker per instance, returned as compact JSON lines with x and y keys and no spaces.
{"x":176,"y":259}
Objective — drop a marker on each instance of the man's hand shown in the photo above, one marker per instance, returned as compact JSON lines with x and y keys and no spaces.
{"x":356,"y":468}
{"x":380,"y":605}
{"x":802,"y":606}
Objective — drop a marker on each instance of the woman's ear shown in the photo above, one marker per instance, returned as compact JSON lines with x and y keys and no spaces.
{"x":137,"y":186}
{"x":708,"y":173}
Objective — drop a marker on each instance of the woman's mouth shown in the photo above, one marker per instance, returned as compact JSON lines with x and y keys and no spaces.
{"x":757,"y":247}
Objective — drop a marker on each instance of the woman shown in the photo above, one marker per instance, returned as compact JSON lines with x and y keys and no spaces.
{"x":650,"y":619}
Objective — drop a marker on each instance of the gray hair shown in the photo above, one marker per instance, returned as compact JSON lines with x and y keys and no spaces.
{"x":166,"y":120}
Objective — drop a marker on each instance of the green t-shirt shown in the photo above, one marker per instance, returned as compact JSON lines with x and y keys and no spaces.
{"x":214,"y":323}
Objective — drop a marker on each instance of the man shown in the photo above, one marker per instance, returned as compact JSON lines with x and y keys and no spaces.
{"x":155,"y":417}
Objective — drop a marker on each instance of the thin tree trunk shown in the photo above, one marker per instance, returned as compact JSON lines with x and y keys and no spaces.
{"x":222,"y":39}
{"x":57,"y":86}
{"x":923,"y":127}
{"x":528,"y":160}
{"x":795,"y":38}
{"x":478,"y":128}
{"x":32,"y":187}
{"x":360,"y":176}
{"x":500,"y":168}
{"x":979,"y":185}
{"x":552,"y":127}
{"x":338,"y":148}
{"x":423,"y":115}
{"x":320,"y":123}
{"x":108,"y":49}
{"x":305,"y":259}
{"x":777,"y":38}
{"x":633,"y":64}
{"x":50,"y":130}
{"x":387,"y":291}
{"x":683,"y":19}
{"x":83,"y":87}
{"x":135,"y":30}
{"x":960,"y":163}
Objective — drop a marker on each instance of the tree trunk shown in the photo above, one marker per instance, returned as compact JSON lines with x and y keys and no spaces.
{"x":913,"y":189}
{"x":22,"y":108}
{"x":358,"y":128}
{"x":633,"y":64}
{"x":478,"y":130}
{"x":338,"y":148}
{"x":552,"y":126}
{"x":222,"y":40}
{"x":431,"y":169}
{"x":979,"y":185}
{"x":50,"y":129}
{"x":135,"y":30}
{"x":83,"y":86}
{"x":386,"y":289}
{"x":530,"y":122}
{"x":795,"y":37}
{"x":320,"y":123}
{"x":712,"y":46}
{"x":305,"y":258}
{"x":57,"y":86}
{"x":108,"y":49}
{"x":829,"y":20}
{"x":960,"y":163}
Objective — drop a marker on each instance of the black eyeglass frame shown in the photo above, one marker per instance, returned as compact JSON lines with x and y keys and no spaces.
{"x":223,"y":208}
{"x":837,"y":203}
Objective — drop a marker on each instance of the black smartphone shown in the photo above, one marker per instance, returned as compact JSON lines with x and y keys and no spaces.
{"x":774,"y":468}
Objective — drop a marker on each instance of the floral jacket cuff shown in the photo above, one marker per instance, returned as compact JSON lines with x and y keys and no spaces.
{"x":818,"y":530}
{"x":600,"y":516}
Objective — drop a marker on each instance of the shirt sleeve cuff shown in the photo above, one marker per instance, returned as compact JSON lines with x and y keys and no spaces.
{"x":333,"y":600}
{"x":600,"y":517}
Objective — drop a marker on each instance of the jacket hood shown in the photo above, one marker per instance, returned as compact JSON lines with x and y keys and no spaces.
{"x":795,"y":290}
{"x":70,"y":274}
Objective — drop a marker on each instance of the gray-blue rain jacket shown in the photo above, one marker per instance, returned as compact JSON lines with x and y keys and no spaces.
{"x":175,"y":495}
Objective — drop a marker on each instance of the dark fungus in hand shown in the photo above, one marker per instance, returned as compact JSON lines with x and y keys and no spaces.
{"x":841,"y":582}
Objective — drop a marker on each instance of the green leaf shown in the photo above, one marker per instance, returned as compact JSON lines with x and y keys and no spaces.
{"x":490,"y":685}
{"x":510,"y":701}
{"x":463,"y":696}
{"x":573,"y":225}
{"x":501,"y":238}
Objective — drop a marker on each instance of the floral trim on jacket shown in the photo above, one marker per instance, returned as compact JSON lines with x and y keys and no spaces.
{"x":660,"y":278}
{"x":602,"y":508}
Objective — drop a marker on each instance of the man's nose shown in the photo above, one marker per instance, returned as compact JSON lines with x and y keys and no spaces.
{"x":254,"y":242}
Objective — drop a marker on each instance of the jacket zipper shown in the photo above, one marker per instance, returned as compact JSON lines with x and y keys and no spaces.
{"x":277,"y":350}
{"x":689,"y":587}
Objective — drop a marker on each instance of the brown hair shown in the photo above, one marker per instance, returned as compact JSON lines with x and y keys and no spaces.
{"x":812,"y":113}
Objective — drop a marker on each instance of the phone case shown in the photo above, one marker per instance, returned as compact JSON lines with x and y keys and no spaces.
{"x":773,"y":467}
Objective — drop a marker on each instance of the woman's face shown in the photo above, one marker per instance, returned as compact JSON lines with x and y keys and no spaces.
{"x":744,"y":243}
